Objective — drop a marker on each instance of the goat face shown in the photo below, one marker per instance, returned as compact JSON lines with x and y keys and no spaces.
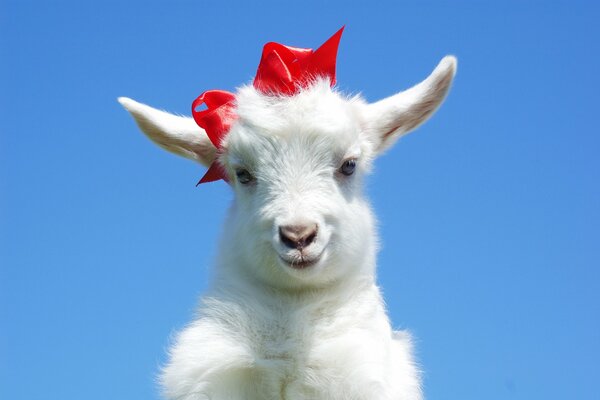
{"x":296,"y":164}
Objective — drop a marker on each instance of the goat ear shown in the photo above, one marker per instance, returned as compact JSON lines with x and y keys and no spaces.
{"x":177,"y":134}
{"x":390,"y":118}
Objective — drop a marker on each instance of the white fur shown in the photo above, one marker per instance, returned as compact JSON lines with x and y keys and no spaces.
{"x":265,"y":330}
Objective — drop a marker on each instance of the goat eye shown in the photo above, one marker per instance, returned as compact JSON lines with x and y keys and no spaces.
{"x":348,"y":167}
{"x":244,"y":177}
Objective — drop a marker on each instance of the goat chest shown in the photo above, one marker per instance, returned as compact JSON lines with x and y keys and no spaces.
{"x":276,"y":349}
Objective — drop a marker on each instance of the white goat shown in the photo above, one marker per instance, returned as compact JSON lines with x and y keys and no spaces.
{"x":294,"y":311}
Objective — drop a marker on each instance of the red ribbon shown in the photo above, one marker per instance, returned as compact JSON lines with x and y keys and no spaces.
{"x":216,"y":121}
{"x":286,"y":70}
{"x":283,"y":70}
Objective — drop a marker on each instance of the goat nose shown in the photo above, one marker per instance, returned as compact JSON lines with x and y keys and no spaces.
{"x":297,"y":236}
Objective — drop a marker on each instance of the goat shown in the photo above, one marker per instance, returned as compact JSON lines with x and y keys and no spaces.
{"x":294,"y":311}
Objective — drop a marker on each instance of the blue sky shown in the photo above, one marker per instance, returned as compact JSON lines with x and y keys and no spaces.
{"x":489,"y":213}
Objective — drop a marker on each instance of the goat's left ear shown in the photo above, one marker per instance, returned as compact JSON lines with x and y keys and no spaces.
{"x":390,"y":118}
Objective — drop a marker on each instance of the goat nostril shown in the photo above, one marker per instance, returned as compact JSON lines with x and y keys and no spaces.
{"x":297,"y":236}
{"x":286,"y":240}
{"x":310,"y":238}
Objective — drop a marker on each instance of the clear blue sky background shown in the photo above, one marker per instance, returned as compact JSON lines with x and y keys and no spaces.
{"x":489,"y":213}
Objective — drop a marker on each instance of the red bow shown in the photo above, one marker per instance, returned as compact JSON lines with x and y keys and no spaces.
{"x":216,"y":121}
{"x":286,"y":70}
{"x":283,"y":70}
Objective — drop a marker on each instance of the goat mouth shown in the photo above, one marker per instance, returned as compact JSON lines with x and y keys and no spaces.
{"x":300,"y":263}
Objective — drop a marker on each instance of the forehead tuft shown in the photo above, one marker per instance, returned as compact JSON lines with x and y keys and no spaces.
{"x":318,"y":109}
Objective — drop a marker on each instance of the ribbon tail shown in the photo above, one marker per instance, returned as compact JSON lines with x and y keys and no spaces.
{"x":214,"y":173}
{"x":323,"y":60}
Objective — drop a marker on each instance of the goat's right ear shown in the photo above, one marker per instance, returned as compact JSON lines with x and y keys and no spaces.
{"x":174,"y":133}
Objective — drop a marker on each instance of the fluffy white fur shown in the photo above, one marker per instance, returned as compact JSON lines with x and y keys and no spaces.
{"x":267,"y":330}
